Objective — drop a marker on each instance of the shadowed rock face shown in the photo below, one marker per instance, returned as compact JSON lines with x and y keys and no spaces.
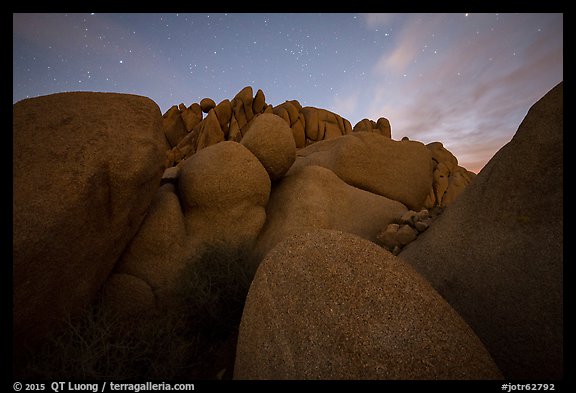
{"x":330,"y":305}
{"x":496,"y":253}
{"x":85,"y":169}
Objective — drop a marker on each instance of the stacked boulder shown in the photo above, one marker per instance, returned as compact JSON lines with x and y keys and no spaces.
{"x":401,"y":171}
{"x":218,"y":195}
{"x":399,"y":234}
{"x":117,"y":210}
{"x":188,"y":132}
{"x":382,"y":126}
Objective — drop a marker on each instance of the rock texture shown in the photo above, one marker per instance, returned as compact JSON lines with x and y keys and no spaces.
{"x":496,"y":254}
{"x":221,"y":195}
{"x":115,"y":203}
{"x":85,"y":169}
{"x":314,"y":197}
{"x":187,"y":132}
{"x":382,"y":126}
{"x":450,"y":179}
{"x":152,"y":260}
{"x":401,"y":171}
{"x":403,"y":231}
{"x":270,"y":139}
{"x":329,"y":305}
{"x":227,"y":121}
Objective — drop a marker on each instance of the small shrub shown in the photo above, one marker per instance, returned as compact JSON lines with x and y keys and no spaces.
{"x":214,"y":286}
{"x":196,"y":340}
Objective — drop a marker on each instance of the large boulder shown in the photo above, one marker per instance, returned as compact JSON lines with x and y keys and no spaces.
{"x":330,"y":305}
{"x":224,"y":190}
{"x":85,"y":169}
{"x":314,"y":197}
{"x":270,"y":139}
{"x":496,"y":254}
{"x":401,"y":171}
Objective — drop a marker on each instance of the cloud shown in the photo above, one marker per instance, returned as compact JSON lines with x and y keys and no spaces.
{"x":412,"y":36}
{"x":472,"y":96}
{"x":346,"y":105}
{"x":374,"y":21}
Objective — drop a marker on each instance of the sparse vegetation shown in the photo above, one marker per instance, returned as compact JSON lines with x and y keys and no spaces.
{"x":195,"y":339}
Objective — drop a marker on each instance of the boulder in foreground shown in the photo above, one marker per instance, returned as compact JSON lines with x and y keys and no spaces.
{"x":330,"y":305}
{"x":85,"y":169}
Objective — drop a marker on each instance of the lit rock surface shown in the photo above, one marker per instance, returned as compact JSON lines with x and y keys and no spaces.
{"x":330,"y":305}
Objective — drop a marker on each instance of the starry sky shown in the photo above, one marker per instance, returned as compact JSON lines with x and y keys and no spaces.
{"x":466,"y":80}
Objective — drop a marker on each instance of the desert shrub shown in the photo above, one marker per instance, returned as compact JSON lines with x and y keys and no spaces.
{"x":194,"y":340}
{"x":214,"y":285}
{"x":97,"y":344}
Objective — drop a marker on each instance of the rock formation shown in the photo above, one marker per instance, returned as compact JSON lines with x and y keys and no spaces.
{"x":382,"y":126}
{"x":401,"y":171}
{"x":450,"y":179}
{"x":315,"y":197}
{"x":229,"y":208}
{"x":187,"y":133}
{"x":85,"y":169}
{"x":329,"y":305}
{"x":496,"y":253}
{"x":114,"y":201}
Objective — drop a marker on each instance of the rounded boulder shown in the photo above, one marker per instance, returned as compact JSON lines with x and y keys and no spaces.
{"x":222,"y":174}
{"x":271,"y":140}
{"x":330,"y":305}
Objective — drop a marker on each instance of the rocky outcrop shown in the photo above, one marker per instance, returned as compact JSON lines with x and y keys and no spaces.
{"x":85,"y":169}
{"x":115,"y":203}
{"x":401,"y":171}
{"x":496,"y":254}
{"x":227,"y":121}
{"x":187,"y":131}
{"x":329,"y":305}
{"x":314,"y":197}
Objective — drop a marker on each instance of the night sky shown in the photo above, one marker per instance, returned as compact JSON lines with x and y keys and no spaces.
{"x":466,"y":80}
